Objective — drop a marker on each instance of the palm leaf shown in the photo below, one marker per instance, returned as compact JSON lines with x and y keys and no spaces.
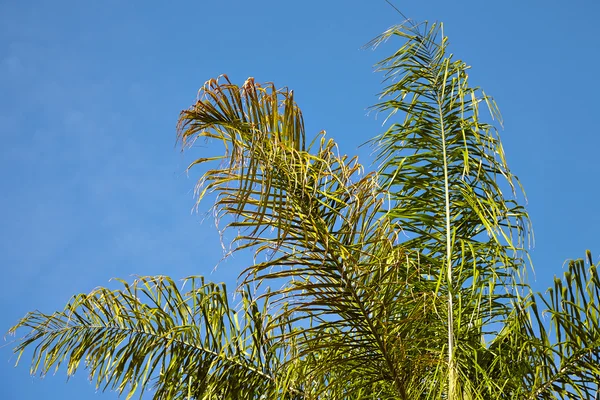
{"x":150,"y":335}
{"x":571,"y":368}
{"x":343,"y":278}
{"x":443,"y":169}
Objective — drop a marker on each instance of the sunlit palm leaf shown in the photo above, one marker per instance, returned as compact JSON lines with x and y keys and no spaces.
{"x":571,"y":369}
{"x":343,"y":276}
{"x":442,"y":167}
{"x":185,"y":345}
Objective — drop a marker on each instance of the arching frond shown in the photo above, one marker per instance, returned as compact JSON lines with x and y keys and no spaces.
{"x":150,"y":336}
{"x":312,"y":216}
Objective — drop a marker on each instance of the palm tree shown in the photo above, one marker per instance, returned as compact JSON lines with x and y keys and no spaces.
{"x":407,"y":282}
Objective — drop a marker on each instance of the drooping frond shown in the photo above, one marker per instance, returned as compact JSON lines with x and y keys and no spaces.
{"x":242,"y":118}
{"x":312,"y":218}
{"x":152,"y":337}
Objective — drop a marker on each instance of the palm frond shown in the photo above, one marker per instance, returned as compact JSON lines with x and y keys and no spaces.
{"x":443,"y":168}
{"x":249,"y":119}
{"x":150,"y":335}
{"x":442,"y":148}
{"x":312,"y":216}
{"x":572,"y":367}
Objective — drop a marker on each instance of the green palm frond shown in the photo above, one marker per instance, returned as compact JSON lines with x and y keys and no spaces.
{"x":343,"y":276}
{"x":184,"y":345}
{"x":442,"y":156}
{"x":443,"y":168}
{"x":571,"y":368}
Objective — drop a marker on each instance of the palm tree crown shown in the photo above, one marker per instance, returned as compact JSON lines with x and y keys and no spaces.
{"x":406,"y":282}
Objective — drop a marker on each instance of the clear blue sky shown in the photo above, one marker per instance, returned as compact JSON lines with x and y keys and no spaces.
{"x":93,"y":186}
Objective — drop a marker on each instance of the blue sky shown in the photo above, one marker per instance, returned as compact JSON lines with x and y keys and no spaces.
{"x":93,"y":186}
